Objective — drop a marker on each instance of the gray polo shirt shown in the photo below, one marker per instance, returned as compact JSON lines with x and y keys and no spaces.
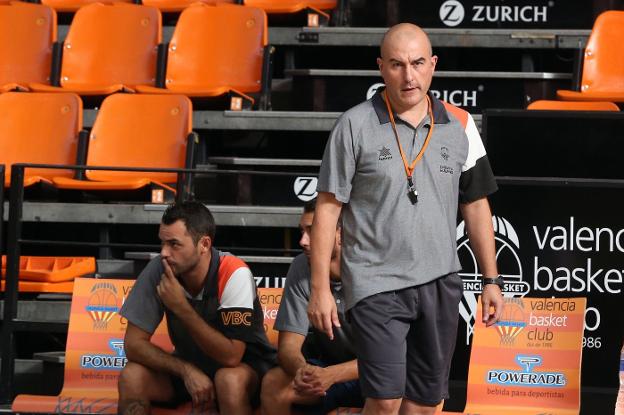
{"x":389,"y":243}
{"x":292,"y":314}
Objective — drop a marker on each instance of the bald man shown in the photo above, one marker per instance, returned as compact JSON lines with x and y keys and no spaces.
{"x":398,"y":166}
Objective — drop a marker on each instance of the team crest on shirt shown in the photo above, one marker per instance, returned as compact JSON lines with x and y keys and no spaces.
{"x":384,"y":153}
{"x":444,"y":153}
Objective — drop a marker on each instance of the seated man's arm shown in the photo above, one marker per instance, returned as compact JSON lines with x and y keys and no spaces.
{"x":228,"y":352}
{"x":343,"y":372}
{"x":289,"y":353}
{"x":139,"y":349}
{"x":314,"y":380}
{"x":310,"y":379}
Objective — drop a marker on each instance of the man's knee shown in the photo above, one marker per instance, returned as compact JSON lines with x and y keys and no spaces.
{"x":140,"y":382}
{"x":234,"y":384}
{"x":409,"y":407}
{"x":133,"y":378}
{"x":382,"y":406}
{"x":276,"y":386}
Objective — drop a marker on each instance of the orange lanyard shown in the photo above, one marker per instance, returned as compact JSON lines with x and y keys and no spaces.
{"x":409,"y":169}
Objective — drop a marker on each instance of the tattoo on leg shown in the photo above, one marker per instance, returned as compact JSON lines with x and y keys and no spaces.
{"x":135,"y":407}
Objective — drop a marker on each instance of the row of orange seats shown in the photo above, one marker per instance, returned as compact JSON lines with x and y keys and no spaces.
{"x":131,"y":130}
{"x":215,"y":50}
{"x":269,"y":6}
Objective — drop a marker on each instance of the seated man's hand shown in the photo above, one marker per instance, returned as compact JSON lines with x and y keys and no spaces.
{"x":313,"y":380}
{"x":199,"y":386}
{"x":171,"y":291}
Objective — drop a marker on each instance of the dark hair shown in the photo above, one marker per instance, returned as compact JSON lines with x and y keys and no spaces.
{"x":196,"y":217}
{"x":309,"y":206}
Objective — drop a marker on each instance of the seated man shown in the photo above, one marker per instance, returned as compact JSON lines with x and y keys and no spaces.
{"x":330,"y":382}
{"x":214,"y":317}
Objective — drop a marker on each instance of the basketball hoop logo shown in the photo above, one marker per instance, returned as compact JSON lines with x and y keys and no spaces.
{"x":102,"y":304}
{"x":512,"y":321}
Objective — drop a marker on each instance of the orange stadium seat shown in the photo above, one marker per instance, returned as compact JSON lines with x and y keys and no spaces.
{"x":27,"y":57}
{"x":39,"y":128}
{"x":136,"y":131}
{"x":52,"y":268}
{"x":49,"y":274}
{"x":316,"y":7}
{"x":74,"y":5}
{"x":109,"y":48}
{"x":603,"y":63}
{"x":291,"y":6}
{"x":179,"y":5}
{"x":216,"y":50}
{"x":573,"y":105}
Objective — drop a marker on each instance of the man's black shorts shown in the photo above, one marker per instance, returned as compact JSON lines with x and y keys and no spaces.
{"x":405,"y":339}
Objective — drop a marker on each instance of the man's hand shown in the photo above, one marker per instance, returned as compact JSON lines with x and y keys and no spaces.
{"x":322,"y":312}
{"x":199,"y":386}
{"x":171,"y":291}
{"x":492,"y":297}
{"x":313,"y":380}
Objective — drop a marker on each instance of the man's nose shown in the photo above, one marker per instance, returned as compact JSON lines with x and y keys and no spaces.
{"x":409,"y":74}
{"x":305,"y":240}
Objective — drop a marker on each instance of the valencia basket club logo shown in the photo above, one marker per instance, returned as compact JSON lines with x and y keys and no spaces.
{"x":512,"y":321}
{"x":102,"y":305}
{"x":509,"y":265}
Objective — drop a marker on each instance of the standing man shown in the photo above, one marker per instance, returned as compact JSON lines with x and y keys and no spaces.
{"x":396,"y":166}
{"x":330,"y":380}
{"x":214,"y":318}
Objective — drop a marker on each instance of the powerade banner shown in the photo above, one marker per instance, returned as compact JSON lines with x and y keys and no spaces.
{"x":95,"y":353}
{"x":521,"y":14}
{"x":529,"y":362}
{"x":556,"y":242}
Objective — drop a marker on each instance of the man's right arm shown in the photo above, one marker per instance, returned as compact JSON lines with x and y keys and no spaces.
{"x":322,"y":307}
{"x":289,"y":353}
{"x":140,"y":349}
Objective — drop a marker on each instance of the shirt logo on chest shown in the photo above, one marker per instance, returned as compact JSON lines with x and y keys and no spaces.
{"x":444,"y":153}
{"x":384,"y":153}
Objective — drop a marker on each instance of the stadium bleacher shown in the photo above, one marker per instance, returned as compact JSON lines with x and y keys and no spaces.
{"x":253,"y":154}
{"x":27,"y":58}
{"x":93,"y":60}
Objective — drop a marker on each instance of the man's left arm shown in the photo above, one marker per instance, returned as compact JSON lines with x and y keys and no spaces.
{"x":478,"y":219}
{"x":211,"y":341}
{"x":315,"y":380}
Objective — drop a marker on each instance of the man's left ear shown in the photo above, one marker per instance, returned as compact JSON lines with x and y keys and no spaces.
{"x":205,"y":244}
{"x":434,"y":60}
